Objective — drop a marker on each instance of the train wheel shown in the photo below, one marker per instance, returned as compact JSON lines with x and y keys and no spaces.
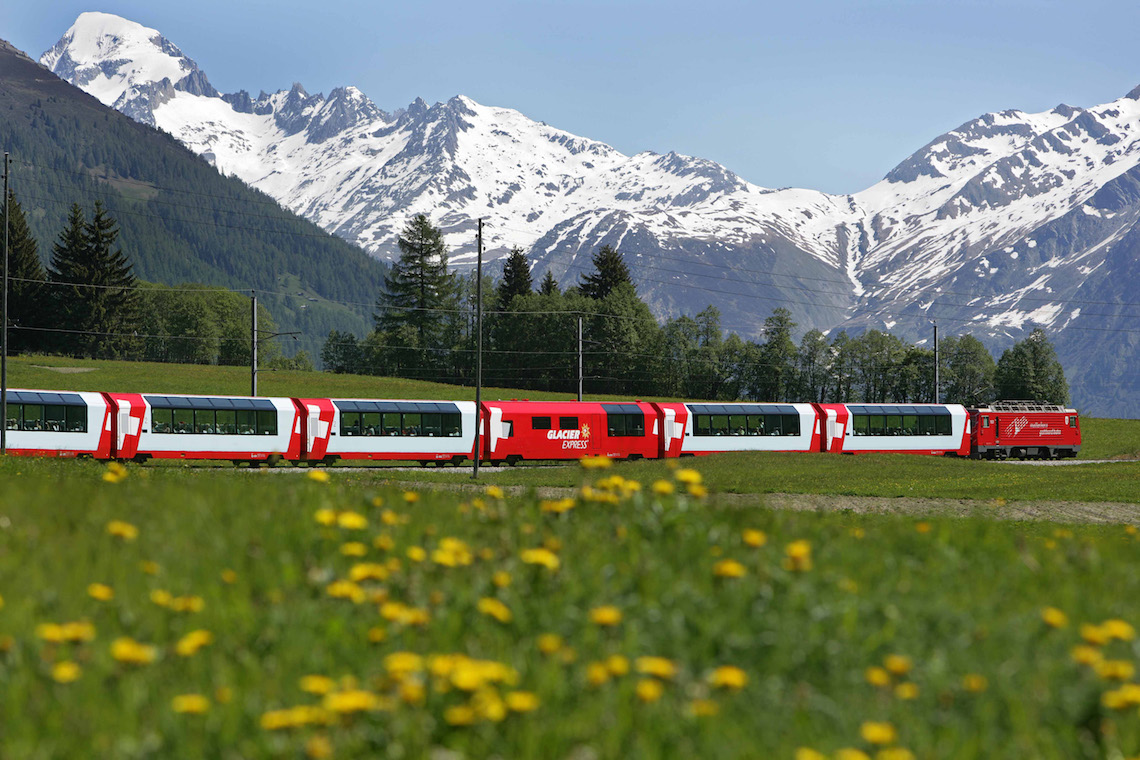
{"x":513,"y":459}
{"x":423,"y":463}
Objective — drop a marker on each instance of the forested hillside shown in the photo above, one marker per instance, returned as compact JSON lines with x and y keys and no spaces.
{"x":180,"y":220}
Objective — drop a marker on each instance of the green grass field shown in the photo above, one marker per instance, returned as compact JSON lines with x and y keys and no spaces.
{"x":766,"y":622}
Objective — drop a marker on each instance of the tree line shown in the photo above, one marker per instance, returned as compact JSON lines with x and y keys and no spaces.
{"x":88,"y":303}
{"x":424,"y":328}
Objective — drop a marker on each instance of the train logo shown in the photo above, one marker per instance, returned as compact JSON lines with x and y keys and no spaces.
{"x":1018,"y":425}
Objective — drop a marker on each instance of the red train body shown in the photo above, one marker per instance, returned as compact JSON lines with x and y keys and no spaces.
{"x":323,"y":431}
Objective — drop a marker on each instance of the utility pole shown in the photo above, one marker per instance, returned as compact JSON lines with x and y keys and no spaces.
{"x":478,"y":347}
{"x":253,"y":344}
{"x":4,"y":329}
{"x":936,"y":361}
{"x":579,"y":357}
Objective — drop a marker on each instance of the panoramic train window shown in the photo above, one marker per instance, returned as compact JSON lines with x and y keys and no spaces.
{"x":399,"y":418}
{"x":567,"y":423}
{"x":900,"y":420}
{"x":745,"y":419}
{"x":540,"y":423}
{"x":46,"y":418}
{"x":212,"y":416}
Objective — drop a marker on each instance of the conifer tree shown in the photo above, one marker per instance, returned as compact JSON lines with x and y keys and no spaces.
{"x":25,"y":292}
{"x":548,"y":286}
{"x":516,"y":277}
{"x":419,"y":287}
{"x":609,"y":272}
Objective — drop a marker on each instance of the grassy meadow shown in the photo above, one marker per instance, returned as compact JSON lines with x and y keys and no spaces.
{"x":263,"y":614}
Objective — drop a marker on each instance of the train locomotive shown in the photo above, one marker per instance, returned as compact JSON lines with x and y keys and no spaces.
{"x":323,"y":431}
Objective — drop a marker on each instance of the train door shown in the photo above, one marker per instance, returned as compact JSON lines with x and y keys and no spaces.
{"x":127,"y":412}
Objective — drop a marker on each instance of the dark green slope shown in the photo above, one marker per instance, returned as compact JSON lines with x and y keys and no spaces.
{"x":180,"y":219}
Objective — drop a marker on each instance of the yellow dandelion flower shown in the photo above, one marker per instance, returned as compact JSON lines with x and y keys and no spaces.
{"x":1094,"y":634}
{"x":540,"y":556}
{"x":663,"y":487}
{"x":376,"y":634}
{"x":65,"y":672}
{"x":729,"y":568}
{"x":549,"y":643}
{"x":123,"y":530}
{"x":857,"y":533}
{"x":906,"y":690}
{"x":50,"y":632}
{"x":317,"y":684}
{"x":149,"y":567}
{"x":353,"y":549}
{"x":659,"y":667}
{"x":81,"y":630}
{"x":412,"y":692}
{"x":501,"y":579}
{"x":617,"y":665}
{"x":975,"y":683}
{"x":344,"y":589}
{"x":352,"y":521}
{"x":728,"y":677}
{"x":1119,"y":629}
{"x":495,"y":608}
{"x":115,"y":473}
{"x":754,"y":538}
{"x":318,"y":747}
{"x":898,"y":664}
{"x":807,"y":753}
{"x":459,"y":715}
{"x":194,"y":704}
{"x":325,"y":517}
{"x":703,"y":708}
{"x":797,"y":556}
{"x":187,"y":604}
{"x":1083,"y":654}
{"x":521,"y":701}
{"x":131,"y":652}
{"x":100,"y":591}
{"x":1115,"y":670}
{"x":606,"y":615}
{"x":851,"y":753}
{"x":649,"y":690}
{"x":318,"y":476}
{"x":352,"y":701}
{"x":595,"y":463}
{"x":597,"y":673}
{"x":878,"y":732}
{"x":189,"y":644}
{"x":494,"y":492}
{"x":367,"y":571}
{"x":416,"y":553}
{"x":894,"y":753}
{"x":1054,"y":618}
{"x":698,"y":491}
{"x":557,"y":506}
{"x":402,"y":664}
{"x":411,"y":497}
{"x":923,"y":527}
{"x":229,"y":577}
{"x":688,"y":476}
{"x":384,"y":542}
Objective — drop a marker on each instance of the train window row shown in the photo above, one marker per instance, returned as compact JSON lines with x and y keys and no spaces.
{"x":427,"y":424}
{"x":746,"y":424}
{"x":543,"y":423}
{"x":47,"y":418}
{"x":900,"y":424}
{"x":214,"y":421}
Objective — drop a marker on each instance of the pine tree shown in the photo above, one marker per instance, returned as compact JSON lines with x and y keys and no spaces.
{"x":777,"y":357}
{"x":102,"y":303}
{"x":516,"y":277}
{"x":969,"y":371}
{"x":26,"y":306}
{"x":609,"y":272}
{"x":417,"y":285}
{"x":548,"y":286}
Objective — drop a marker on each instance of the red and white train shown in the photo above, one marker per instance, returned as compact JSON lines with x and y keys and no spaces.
{"x":132,"y":426}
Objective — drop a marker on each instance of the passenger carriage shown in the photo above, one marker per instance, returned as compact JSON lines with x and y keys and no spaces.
{"x":425,"y":431}
{"x":240,"y":429}
{"x":695,"y":429}
{"x":517,"y":430}
{"x":895,"y":429}
{"x":59,"y":424}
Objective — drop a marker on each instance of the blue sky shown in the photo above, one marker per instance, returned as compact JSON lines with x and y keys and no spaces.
{"x":823,"y":94}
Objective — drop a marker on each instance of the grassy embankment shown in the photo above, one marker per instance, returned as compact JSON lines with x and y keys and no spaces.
{"x":980,"y":674}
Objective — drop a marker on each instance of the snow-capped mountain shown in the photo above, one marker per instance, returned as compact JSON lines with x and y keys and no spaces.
{"x":1009,"y":222}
